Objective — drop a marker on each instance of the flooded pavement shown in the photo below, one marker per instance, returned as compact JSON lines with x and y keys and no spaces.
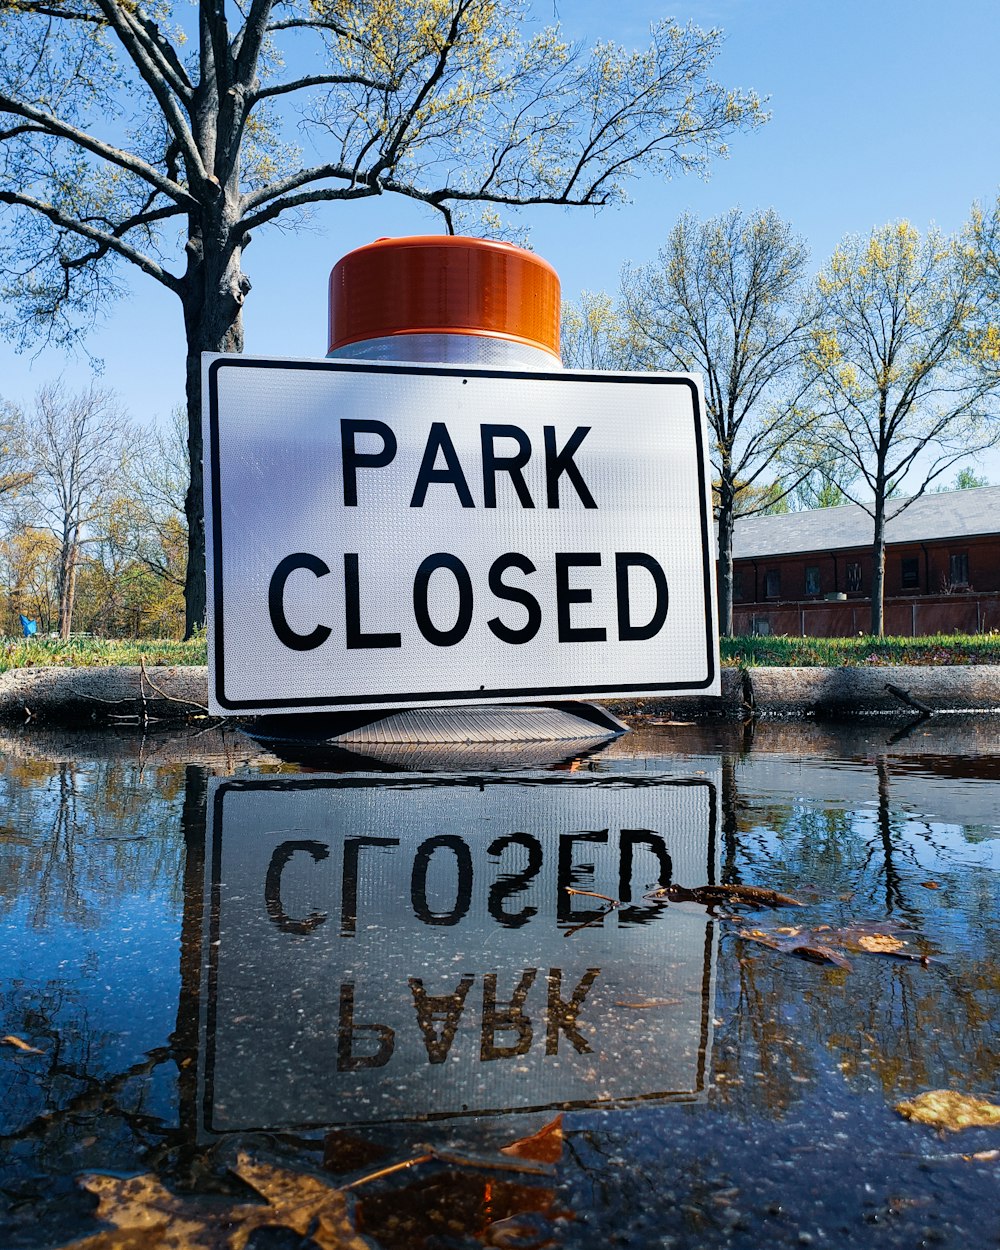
{"x":408,"y":1001}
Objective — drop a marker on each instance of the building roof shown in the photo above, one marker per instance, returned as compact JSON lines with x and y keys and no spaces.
{"x":950,"y":514}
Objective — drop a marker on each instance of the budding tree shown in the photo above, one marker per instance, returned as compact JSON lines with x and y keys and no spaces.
{"x":138,"y":135}
{"x":898,"y":377}
{"x":595,"y":335}
{"x":725,"y":298}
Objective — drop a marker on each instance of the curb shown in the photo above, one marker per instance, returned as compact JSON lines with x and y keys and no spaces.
{"x":105,"y":695}
{"x":131,"y":695}
{"x":896,"y":690}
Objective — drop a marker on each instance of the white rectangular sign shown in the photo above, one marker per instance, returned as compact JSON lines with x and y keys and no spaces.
{"x":390,"y":951}
{"x":385,"y":535}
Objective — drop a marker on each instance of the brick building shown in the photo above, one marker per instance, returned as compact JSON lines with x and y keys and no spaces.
{"x":810,"y":573}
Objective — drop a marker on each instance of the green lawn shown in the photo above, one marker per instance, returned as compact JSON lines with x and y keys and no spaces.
{"x":776,"y":652}
{"x":834,"y":652}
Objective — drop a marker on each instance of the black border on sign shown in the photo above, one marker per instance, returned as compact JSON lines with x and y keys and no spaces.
{"x":214,"y":939}
{"x":399,"y":698}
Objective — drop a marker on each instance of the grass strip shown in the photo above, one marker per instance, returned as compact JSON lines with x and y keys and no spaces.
{"x":82,"y":651}
{"x":865,"y":651}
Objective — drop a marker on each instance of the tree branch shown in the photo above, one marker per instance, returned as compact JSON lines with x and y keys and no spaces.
{"x":303,"y":23}
{"x":247,"y":44}
{"x":390,"y":155}
{"x":101,"y":237}
{"x":68,"y":15}
{"x":154,"y":69}
{"x":59,"y":129}
{"x":314,"y":80}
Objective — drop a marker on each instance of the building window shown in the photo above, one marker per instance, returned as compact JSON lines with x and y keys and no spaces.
{"x":772,"y":584}
{"x":958,"y":569}
{"x":854,"y":577}
{"x":812,"y":579}
{"x":910,"y":568}
{"x":737,"y":583}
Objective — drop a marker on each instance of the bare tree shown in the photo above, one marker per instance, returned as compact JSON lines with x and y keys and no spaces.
{"x":904,"y":395}
{"x":122,"y":145}
{"x":151,"y":509}
{"x":725,"y":299}
{"x":76,"y":448}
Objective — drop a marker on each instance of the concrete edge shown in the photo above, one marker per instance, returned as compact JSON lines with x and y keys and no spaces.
{"x":55,"y":695}
{"x":122,"y":695}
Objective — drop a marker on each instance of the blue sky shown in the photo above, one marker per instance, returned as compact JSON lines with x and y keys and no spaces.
{"x":880,"y":110}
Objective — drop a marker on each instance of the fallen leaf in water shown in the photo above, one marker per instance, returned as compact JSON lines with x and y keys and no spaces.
{"x":545,"y":1146}
{"x":819,"y":955}
{"x":983,"y":1156}
{"x":812,"y":952}
{"x":147,"y":1216}
{"x":16,"y":1042}
{"x":879,"y":943}
{"x":948,"y":1109}
{"x":756,"y":935}
{"x":751,"y":895}
{"x":930,"y":885}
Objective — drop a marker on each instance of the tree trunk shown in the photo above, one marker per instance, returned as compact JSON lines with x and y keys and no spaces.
{"x":66,"y":587}
{"x":215,"y":288}
{"x":726,"y":524}
{"x":878,"y":569}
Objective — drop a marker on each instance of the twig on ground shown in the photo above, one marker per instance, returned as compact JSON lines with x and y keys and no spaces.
{"x":456,"y":1160}
{"x":162,"y":693}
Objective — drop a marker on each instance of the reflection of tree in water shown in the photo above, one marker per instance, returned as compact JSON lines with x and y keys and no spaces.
{"x":108,"y":809}
{"x":63,"y":1110}
{"x":760,"y":1059}
{"x":895,"y":1025}
{"x":77,"y":840}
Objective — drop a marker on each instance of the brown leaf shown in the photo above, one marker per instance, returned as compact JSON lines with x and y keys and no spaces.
{"x":930,"y":885}
{"x":147,"y":1216}
{"x":819,"y":955}
{"x":948,"y":1109}
{"x":813,"y":952}
{"x":751,"y":895}
{"x":301,"y":1202}
{"x":755,"y":935}
{"x":879,"y":943}
{"x":545,"y":1146}
{"x":16,"y":1041}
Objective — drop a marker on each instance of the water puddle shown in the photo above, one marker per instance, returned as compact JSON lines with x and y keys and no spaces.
{"x":665,"y":993}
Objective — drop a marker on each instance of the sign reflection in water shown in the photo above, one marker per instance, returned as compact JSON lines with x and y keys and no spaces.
{"x":377,"y":950}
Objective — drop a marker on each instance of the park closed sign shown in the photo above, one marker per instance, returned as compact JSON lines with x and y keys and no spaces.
{"x":391,"y":535}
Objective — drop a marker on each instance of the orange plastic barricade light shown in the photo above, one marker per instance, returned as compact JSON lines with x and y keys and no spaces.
{"x":445,"y":299}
